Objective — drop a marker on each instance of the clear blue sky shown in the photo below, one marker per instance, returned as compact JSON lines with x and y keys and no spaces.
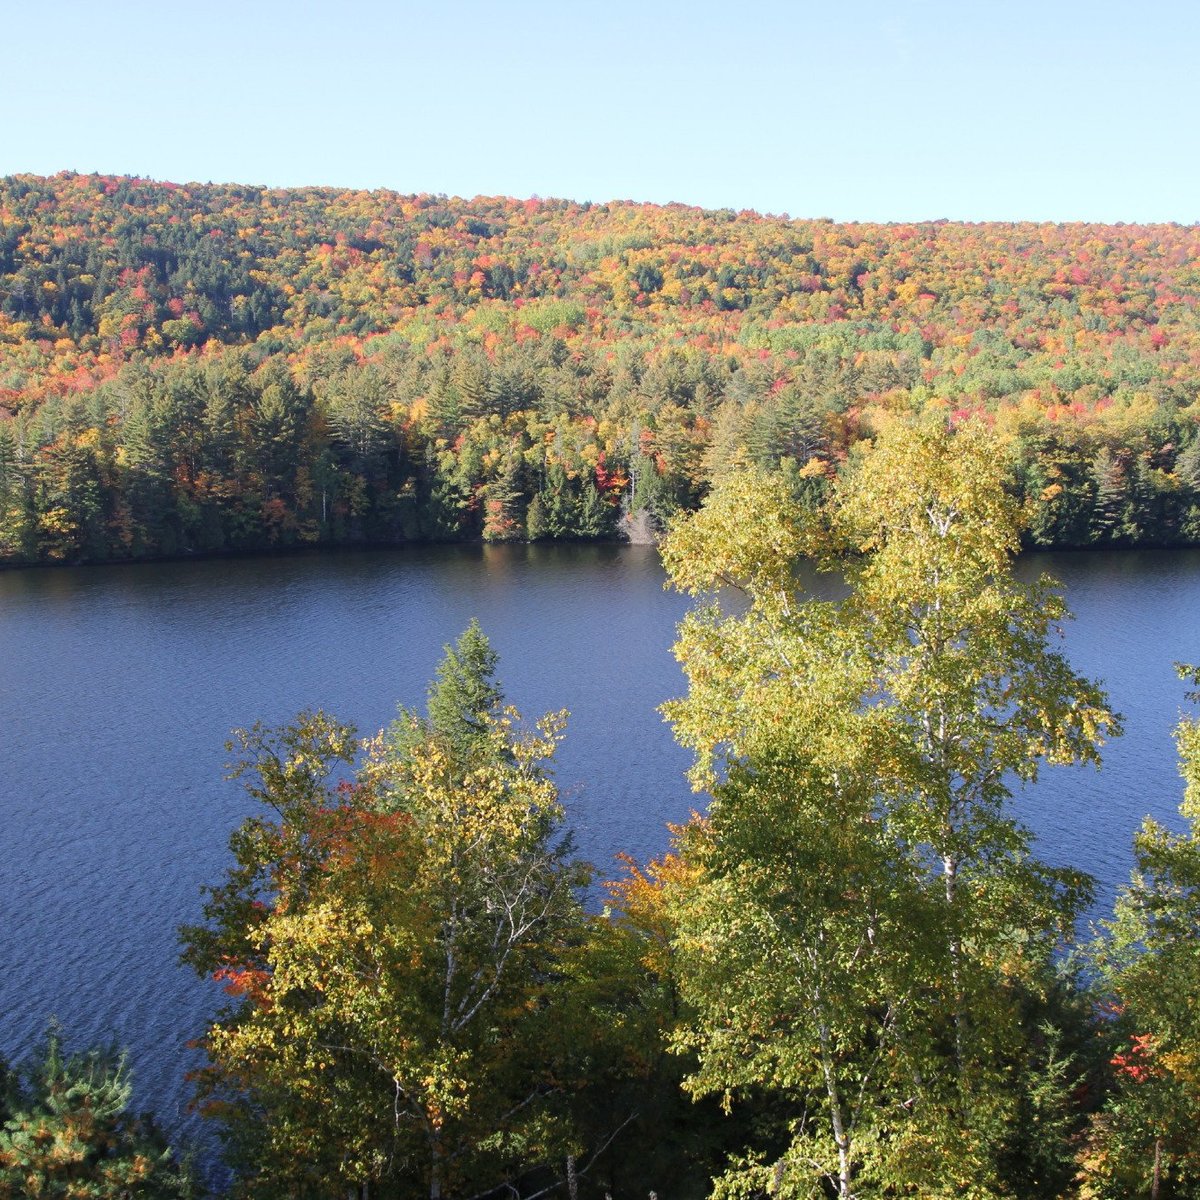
{"x":964,"y":109}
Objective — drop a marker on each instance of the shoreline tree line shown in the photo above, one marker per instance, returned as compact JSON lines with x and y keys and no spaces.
{"x":851,"y":977}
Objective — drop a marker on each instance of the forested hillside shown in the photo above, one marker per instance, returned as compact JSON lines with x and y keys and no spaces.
{"x":203,"y":368}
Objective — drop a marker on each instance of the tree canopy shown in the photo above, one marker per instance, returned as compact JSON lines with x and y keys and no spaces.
{"x":869,"y":930}
{"x":1142,"y":1142}
{"x":409,"y":962}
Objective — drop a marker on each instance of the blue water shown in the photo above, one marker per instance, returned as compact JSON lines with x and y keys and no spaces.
{"x":119,"y":685}
{"x":1136,"y":613}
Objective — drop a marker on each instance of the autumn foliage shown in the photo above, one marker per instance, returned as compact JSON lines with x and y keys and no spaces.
{"x":203,"y":368}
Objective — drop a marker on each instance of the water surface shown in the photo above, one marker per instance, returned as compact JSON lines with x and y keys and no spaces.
{"x":119,"y":685}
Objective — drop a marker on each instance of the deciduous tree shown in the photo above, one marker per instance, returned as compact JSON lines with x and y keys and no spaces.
{"x":1143,"y":1142}
{"x":860,"y":752}
{"x":394,"y":948}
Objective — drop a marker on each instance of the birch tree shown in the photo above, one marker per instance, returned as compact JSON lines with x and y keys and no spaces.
{"x":882,"y":731}
{"x":977,"y":693}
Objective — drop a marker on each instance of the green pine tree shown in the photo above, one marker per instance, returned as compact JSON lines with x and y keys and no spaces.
{"x":65,"y":1131}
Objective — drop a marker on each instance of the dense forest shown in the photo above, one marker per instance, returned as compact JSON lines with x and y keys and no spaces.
{"x":212,"y":368}
{"x":851,"y":977}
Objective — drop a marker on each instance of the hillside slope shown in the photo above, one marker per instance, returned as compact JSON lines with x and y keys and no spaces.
{"x":204,"y":368}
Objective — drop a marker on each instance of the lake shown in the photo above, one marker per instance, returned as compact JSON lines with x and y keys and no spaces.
{"x":119,"y":685}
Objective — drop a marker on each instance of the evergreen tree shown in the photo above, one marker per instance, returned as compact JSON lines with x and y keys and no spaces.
{"x":463,"y":703}
{"x":65,"y":1131}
